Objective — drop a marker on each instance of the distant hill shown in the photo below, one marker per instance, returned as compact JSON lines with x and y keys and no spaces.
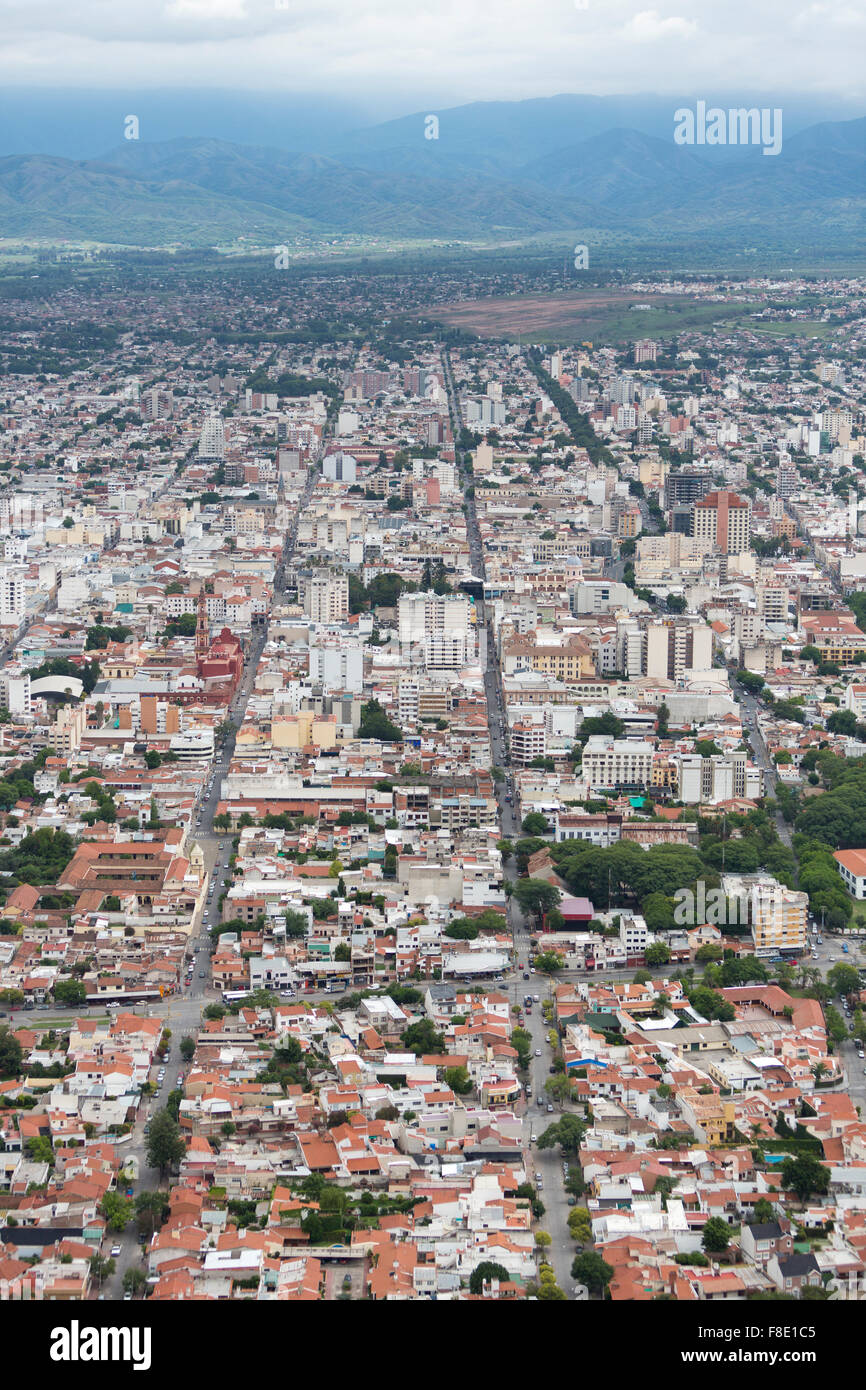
{"x":498,"y":172}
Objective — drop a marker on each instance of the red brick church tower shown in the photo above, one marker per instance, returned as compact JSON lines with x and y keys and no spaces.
{"x":202,"y":630}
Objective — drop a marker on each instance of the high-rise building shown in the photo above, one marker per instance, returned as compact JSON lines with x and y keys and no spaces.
{"x":12,"y":596}
{"x":772,"y":598}
{"x":778,"y":915}
{"x":212,"y":442}
{"x":338,"y":668}
{"x":724,"y":520}
{"x":645,"y":350}
{"x":156,"y":404}
{"x":610,"y":763}
{"x":528,"y":741}
{"x":675,"y":645}
{"x":686,"y":485}
{"x":326,"y":596}
{"x":340,"y":467}
{"x":787,"y":478}
{"x":440,"y":629}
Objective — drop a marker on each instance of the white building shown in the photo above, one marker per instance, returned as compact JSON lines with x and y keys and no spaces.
{"x":340,"y":468}
{"x":12,"y":596}
{"x":338,"y":668}
{"x":212,"y":442}
{"x":326,"y":596}
{"x":439,"y":630}
{"x":615,"y":762}
{"x":633,"y":934}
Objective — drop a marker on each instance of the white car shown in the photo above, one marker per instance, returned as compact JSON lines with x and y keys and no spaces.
{"x":115,"y":1251}
{"x":861,"y":1053}
{"x":532,"y":1138}
{"x":538,"y":1052}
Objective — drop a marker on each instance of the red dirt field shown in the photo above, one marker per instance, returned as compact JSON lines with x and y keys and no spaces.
{"x":544,"y":313}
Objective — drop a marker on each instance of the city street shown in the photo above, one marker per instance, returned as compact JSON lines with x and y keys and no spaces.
{"x":543,"y":1164}
{"x":182,"y":1012}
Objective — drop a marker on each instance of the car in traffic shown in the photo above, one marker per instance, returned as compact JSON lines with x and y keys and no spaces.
{"x":115,"y":1251}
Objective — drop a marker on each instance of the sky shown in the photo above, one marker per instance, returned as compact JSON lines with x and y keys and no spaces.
{"x":396,"y":56}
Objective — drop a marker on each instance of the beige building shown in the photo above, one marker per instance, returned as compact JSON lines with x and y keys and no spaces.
{"x":66,"y":734}
{"x":326,"y":597}
{"x":615,"y":762}
{"x":296,"y":731}
{"x":724,"y":519}
{"x":677,"y":645}
{"x":778,"y":915}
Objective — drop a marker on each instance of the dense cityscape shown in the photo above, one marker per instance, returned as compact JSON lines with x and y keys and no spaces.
{"x":433,"y":805}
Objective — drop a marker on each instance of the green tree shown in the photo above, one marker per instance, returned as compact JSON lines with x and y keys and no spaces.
{"x":187,"y":1048}
{"x":39,"y":1149}
{"x":536,"y":897}
{"x":69,"y":992}
{"x":375,"y":723}
{"x":716,"y":1235}
{"x":843,"y":721}
{"x":484,"y":1272}
{"x":558,"y":1088}
{"x":422,"y":1038}
{"x":151,"y":1210}
{"x":567,"y":1133}
{"x":534,"y":823}
{"x":296,"y":923}
{"x":657,"y":954}
{"x":117,"y":1211}
{"x":843,"y":979}
{"x":165,"y":1147}
{"x":548,"y":962}
{"x":134,"y":1280}
{"x":10,"y":1054}
{"x":459,"y":1080}
{"x":805,"y":1175}
{"x":101,"y":1268}
{"x":762,"y":1213}
{"x":580,"y":1225}
{"x":591,"y":1269}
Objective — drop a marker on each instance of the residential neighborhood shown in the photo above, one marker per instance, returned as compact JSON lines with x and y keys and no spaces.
{"x":433,"y":805}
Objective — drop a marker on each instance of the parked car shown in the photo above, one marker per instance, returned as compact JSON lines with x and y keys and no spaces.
{"x":115,"y":1251}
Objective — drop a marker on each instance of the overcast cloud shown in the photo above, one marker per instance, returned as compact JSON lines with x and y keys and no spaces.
{"x":455,"y":51}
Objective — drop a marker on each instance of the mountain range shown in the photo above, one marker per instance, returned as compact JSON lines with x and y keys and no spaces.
{"x":496,"y":169}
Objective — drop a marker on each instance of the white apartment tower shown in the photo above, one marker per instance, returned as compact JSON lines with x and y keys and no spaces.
{"x":326,"y":596}
{"x":673,"y":647}
{"x":439,"y":629}
{"x":212,"y":442}
{"x":12,"y":596}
